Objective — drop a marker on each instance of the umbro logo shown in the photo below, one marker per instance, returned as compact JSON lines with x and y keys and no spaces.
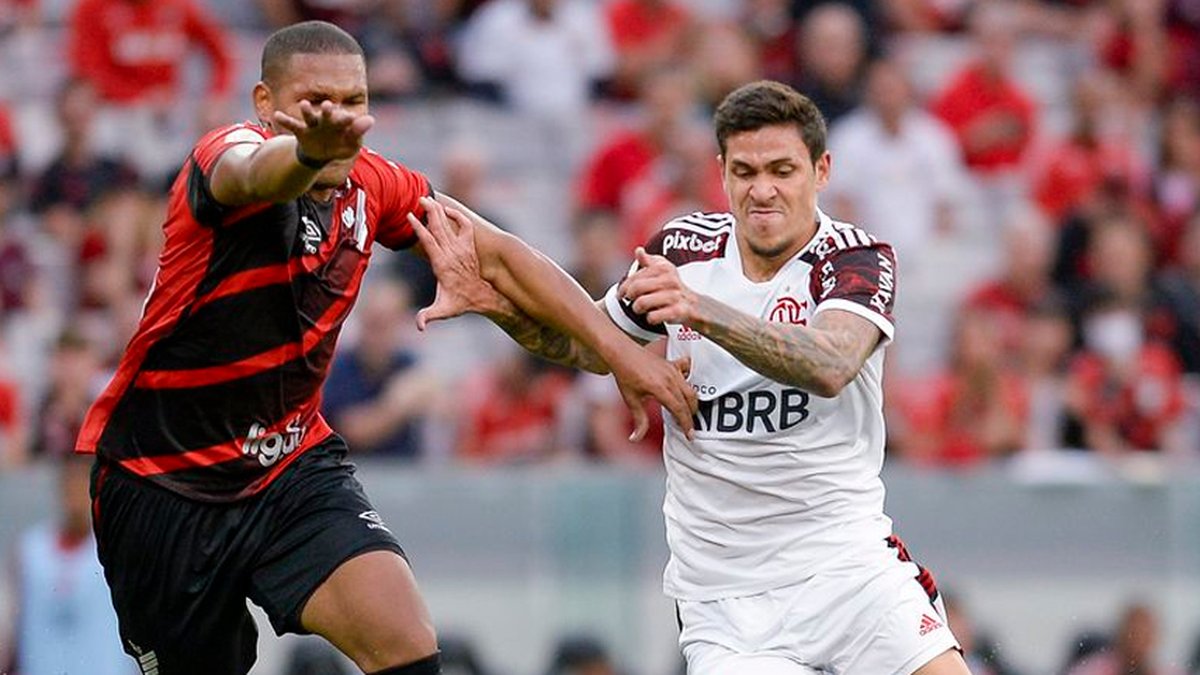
{"x":374,"y":520}
{"x":313,"y":235}
{"x":928,"y":625}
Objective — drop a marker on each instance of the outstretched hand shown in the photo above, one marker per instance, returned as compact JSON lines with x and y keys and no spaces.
{"x":326,"y":132}
{"x":449,"y":242}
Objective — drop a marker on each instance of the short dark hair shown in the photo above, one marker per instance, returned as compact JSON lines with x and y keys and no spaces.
{"x":767,"y":103}
{"x":308,"y":37}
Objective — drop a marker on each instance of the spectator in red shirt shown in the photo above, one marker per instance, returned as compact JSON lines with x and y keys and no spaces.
{"x":682,"y":180}
{"x":8,"y":142}
{"x":974,"y":412}
{"x":1024,"y":283}
{"x":647,"y":35}
{"x":12,"y":425}
{"x":512,"y":413}
{"x":775,"y":32}
{"x":666,"y":99}
{"x":1124,"y":392}
{"x":992,"y":117}
{"x":1176,"y":188}
{"x":1070,"y":174}
{"x":75,"y":373}
{"x":133,"y":50}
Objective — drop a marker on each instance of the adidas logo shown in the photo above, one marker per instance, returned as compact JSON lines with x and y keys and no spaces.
{"x":928,"y":625}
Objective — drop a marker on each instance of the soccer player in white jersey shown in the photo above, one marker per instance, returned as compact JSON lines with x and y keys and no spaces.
{"x":782,"y":560}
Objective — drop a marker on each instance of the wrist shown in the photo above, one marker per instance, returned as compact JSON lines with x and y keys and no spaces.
{"x":308,"y":161}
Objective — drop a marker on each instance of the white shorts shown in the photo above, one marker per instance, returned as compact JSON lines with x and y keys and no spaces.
{"x":875,"y":614}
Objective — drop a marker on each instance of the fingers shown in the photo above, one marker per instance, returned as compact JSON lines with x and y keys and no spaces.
{"x":361,"y":125}
{"x":680,"y":409}
{"x":438,"y":220}
{"x":464,"y":226}
{"x":683,"y":365}
{"x":430,"y":242}
{"x":641,"y":421}
{"x":288,"y":123}
{"x":311,"y":115}
{"x":435,"y":312}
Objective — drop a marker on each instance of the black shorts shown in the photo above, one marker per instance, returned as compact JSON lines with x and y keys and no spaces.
{"x":180,"y":571}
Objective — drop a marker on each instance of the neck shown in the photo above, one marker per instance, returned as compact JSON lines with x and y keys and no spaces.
{"x":759,"y":266}
{"x":321,"y":195}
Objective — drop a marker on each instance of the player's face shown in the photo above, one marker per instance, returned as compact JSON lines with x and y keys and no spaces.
{"x":772,"y":185}
{"x":316,"y":78}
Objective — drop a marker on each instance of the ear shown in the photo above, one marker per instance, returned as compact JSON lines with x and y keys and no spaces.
{"x":264,"y":104}
{"x":823,"y":167}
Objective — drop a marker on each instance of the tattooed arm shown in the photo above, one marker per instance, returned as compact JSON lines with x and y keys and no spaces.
{"x":544,"y":341}
{"x":822,"y":358}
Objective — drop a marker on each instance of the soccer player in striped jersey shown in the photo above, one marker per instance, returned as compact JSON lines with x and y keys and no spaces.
{"x":782,"y":559}
{"x":217,"y":479}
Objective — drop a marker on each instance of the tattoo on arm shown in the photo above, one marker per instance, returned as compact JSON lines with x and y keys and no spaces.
{"x":546,"y":342}
{"x":821,"y":358}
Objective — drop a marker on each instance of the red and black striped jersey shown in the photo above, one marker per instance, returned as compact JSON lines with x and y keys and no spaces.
{"x":219,"y":389}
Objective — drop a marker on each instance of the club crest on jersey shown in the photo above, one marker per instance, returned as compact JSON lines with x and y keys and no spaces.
{"x":269,"y":448}
{"x":347,"y":217}
{"x":788,"y":310}
{"x":312,"y":236}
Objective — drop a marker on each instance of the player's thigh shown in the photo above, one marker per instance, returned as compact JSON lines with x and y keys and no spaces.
{"x":898,"y":630}
{"x":707,"y":658}
{"x":172,"y":567}
{"x":371,"y":610}
{"x":333,"y":567}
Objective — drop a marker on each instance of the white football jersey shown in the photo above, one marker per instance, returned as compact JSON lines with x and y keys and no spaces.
{"x":778,"y":482}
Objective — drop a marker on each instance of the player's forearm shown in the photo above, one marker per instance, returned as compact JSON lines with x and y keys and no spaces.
{"x":544,"y":341}
{"x":817,"y":361}
{"x":542,"y":290}
{"x":272,"y":172}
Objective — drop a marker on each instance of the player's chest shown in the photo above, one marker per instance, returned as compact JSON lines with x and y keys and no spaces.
{"x":787,"y":298}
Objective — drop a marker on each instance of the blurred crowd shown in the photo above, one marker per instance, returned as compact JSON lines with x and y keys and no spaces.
{"x":1036,"y":164}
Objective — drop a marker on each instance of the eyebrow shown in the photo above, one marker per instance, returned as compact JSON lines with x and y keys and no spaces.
{"x":769,"y":165}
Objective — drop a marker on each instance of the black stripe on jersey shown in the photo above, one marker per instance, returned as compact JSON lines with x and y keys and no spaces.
{"x":149,"y":422}
{"x":263,"y":239}
{"x":640,"y":319}
{"x":205,"y":208}
{"x":229,"y":329}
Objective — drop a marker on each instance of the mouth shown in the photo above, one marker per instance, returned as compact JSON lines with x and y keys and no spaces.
{"x":761,"y":212}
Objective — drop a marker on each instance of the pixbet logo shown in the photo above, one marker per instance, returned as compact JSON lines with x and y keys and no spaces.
{"x":269,"y":448}
{"x":690,"y":241}
{"x":788,"y":310}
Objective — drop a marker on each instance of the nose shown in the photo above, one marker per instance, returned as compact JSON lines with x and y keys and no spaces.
{"x":761,"y":190}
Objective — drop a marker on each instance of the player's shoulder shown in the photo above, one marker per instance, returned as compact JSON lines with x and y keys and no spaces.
{"x":371,"y":167}
{"x":241,"y":132}
{"x":693,"y":237}
{"x":838,"y":237}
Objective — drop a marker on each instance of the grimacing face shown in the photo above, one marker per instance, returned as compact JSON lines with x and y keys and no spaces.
{"x":772,"y":185}
{"x":338,"y":78}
